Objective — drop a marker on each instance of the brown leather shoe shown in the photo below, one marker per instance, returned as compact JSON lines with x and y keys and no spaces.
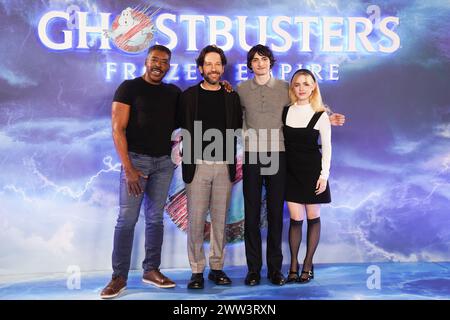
{"x":156,"y":278}
{"x":114,"y":288}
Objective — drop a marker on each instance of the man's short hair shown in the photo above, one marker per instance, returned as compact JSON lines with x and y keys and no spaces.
{"x":210,"y":48}
{"x":160,"y":48}
{"x":262,"y":51}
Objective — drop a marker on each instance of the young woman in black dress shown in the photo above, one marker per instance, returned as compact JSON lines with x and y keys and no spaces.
{"x":305,"y":120}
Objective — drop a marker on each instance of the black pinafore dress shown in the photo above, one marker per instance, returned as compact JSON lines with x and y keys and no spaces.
{"x":304,"y":162}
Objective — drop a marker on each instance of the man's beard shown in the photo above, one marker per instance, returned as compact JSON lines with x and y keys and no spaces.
{"x":209,"y":80}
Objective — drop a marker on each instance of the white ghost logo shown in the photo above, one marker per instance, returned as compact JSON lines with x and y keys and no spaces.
{"x":126,"y":22}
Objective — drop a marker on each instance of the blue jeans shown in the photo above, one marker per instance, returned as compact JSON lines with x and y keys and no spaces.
{"x":159,"y":171}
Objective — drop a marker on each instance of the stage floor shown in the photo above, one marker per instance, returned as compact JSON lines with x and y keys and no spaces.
{"x":405,"y":281}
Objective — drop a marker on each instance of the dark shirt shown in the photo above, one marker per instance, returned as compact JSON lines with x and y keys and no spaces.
{"x":152,"y":115}
{"x":189,"y":107}
{"x":211,"y":112}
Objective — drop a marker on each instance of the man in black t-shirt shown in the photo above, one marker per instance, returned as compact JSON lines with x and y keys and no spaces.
{"x":143,"y":118}
{"x":209,"y":112}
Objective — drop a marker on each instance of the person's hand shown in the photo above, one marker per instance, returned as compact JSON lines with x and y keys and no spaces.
{"x":133,"y":184}
{"x":337,"y":119}
{"x":321,"y":185}
{"x":227,"y":86}
{"x":177,"y":155}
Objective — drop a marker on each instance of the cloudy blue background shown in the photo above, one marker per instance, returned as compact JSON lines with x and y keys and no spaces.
{"x":390,"y":174}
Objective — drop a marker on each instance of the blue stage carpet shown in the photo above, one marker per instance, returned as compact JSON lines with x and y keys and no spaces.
{"x":403,"y":281}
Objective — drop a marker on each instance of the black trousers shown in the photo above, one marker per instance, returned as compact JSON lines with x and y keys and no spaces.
{"x":252,"y":187}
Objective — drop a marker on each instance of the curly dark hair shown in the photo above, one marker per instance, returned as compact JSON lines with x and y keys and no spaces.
{"x":210,"y":48}
{"x":262,"y":51}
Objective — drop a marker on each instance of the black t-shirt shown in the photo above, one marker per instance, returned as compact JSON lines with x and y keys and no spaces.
{"x":152,"y":115}
{"x":211,"y":111}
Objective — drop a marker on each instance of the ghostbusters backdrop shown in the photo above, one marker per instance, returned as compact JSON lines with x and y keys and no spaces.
{"x":384,"y":64}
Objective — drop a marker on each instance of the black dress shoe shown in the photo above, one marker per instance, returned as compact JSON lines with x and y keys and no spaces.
{"x":197,"y":281}
{"x":219,"y":277}
{"x":276,"y":277}
{"x":252,"y":279}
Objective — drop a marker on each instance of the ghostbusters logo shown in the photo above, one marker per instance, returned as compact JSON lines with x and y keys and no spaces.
{"x":132,"y":31}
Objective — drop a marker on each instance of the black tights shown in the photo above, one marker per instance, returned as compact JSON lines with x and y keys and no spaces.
{"x":312,"y":240}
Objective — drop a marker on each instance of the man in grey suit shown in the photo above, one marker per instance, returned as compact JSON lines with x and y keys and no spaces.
{"x":209,"y":113}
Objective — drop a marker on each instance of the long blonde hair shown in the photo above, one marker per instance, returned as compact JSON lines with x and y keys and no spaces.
{"x":316,"y":98}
